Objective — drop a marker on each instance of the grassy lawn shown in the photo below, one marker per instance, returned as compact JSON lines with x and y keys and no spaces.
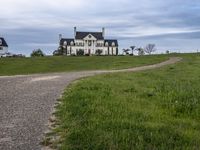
{"x":18,"y":66}
{"x":158,"y":109}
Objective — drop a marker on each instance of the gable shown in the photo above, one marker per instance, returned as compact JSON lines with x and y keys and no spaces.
{"x":3,"y":42}
{"x":89,"y":37}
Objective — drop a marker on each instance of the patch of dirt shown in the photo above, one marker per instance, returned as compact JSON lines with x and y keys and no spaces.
{"x":44,"y":78}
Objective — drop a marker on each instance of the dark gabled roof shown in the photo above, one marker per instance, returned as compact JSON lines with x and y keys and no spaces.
{"x":67,"y":40}
{"x":3,"y":42}
{"x":111,"y":41}
{"x":82,"y":35}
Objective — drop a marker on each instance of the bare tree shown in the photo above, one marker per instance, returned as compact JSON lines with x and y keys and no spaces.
{"x":123,"y":50}
{"x":126,"y":51}
{"x":150,"y":48}
{"x":140,"y":51}
{"x":133,"y":48}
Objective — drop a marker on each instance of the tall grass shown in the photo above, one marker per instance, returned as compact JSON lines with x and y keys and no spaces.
{"x":158,"y":109}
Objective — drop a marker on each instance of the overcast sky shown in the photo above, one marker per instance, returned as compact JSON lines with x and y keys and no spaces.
{"x":172,"y":24}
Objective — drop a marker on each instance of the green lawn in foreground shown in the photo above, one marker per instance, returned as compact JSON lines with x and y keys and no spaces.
{"x":18,"y":66}
{"x":157,"y":109}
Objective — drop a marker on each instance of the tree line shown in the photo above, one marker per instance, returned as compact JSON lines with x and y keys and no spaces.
{"x":148,"y":49}
{"x":40,"y":53}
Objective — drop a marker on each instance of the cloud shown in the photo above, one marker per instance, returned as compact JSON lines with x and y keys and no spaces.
{"x":40,"y":21}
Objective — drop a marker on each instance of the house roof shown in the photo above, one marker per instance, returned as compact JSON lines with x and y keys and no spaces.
{"x":111,"y":41}
{"x":82,"y":35}
{"x":3,"y":42}
{"x":67,"y":40}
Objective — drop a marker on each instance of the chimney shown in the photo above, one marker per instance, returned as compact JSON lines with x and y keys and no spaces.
{"x":60,"y":37}
{"x":103,"y":32}
{"x":75,"y":29}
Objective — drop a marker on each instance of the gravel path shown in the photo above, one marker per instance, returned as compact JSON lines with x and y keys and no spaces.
{"x":26,"y":103}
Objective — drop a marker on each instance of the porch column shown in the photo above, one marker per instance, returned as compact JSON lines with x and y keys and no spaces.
{"x":95,"y":43}
{"x":93,"y":47}
{"x":87,"y":46}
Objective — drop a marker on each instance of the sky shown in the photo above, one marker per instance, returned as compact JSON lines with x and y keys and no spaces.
{"x":172,"y":24}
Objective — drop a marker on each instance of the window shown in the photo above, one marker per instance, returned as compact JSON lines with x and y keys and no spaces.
{"x":1,"y":42}
{"x":1,"y":48}
{"x":72,"y":43}
{"x":106,"y":44}
{"x":113,"y":44}
{"x":65,"y":43}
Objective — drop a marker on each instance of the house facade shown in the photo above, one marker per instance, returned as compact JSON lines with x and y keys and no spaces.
{"x":3,"y":46}
{"x":88,"y":43}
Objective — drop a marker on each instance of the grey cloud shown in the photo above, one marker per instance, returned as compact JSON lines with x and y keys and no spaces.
{"x":163,"y":22}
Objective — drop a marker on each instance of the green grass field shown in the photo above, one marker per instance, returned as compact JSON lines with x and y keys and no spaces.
{"x":18,"y":66}
{"x":157,"y":109}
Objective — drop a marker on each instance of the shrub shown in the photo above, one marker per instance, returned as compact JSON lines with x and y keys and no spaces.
{"x":99,"y":52}
{"x":80,"y":52}
{"x":57,"y":53}
{"x":37,"y":53}
{"x":167,"y":52}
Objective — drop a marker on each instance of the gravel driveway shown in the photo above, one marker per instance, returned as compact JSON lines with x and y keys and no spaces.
{"x":26,"y":103}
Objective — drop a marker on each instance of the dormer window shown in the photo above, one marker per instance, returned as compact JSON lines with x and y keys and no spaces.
{"x":65,"y":43}
{"x":113,"y":44}
{"x":106,"y":44}
{"x":72,"y":43}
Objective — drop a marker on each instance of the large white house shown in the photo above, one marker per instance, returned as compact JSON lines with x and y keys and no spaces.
{"x":90,"y":43}
{"x":3,"y":46}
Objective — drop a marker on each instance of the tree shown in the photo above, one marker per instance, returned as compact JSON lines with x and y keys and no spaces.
{"x":56,"y":53}
{"x":59,"y":51}
{"x":126,"y":51}
{"x":167,"y":52}
{"x":150,"y":48}
{"x":133,"y":48}
{"x":37,"y":53}
{"x":99,"y":52}
{"x":140,"y":51}
{"x":80,"y":52}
